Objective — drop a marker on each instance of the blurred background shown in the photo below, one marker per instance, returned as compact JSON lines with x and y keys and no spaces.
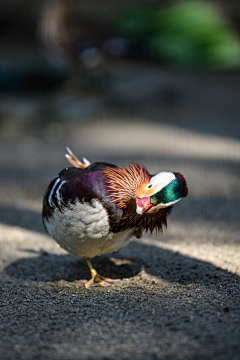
{"x":155,"y":82}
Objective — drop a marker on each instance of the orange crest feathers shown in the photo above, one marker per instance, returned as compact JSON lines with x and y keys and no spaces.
{"x":123,"y":182}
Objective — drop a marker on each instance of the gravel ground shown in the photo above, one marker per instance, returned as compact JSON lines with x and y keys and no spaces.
{"x":180,"y":292}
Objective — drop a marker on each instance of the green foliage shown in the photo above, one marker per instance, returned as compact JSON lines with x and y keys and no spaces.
{"x":189,"y":33}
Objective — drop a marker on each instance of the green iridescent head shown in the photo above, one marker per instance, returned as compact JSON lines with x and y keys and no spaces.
{"x":171,"y":193}
{"x":164,"y":189}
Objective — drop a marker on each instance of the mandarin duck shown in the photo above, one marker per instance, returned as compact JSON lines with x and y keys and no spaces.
{"x":95,"y":209}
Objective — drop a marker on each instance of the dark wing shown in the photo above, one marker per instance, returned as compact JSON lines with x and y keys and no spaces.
{"x":72,"y":172}
{"x":84,"y":185}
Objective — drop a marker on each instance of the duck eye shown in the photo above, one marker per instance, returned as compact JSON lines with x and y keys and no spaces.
{"x":149,"y":186}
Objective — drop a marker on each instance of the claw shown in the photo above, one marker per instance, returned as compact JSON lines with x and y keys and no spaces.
{"x":98,"y":280}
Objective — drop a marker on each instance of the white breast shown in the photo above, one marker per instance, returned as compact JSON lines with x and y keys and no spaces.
{"x":83,"y":230}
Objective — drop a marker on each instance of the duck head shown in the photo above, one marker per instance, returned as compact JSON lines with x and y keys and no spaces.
{"x":163,"y":190}
{"x":150,"y":192}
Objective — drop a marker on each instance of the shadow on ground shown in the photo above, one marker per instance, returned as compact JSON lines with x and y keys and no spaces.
{"x":48,"y":267}
{"x":161,"y":263}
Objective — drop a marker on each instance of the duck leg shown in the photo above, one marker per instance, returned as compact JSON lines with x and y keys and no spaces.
{"x":98,"y":280}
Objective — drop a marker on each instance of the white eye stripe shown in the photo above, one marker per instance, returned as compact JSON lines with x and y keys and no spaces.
{"x":161,"y":180}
